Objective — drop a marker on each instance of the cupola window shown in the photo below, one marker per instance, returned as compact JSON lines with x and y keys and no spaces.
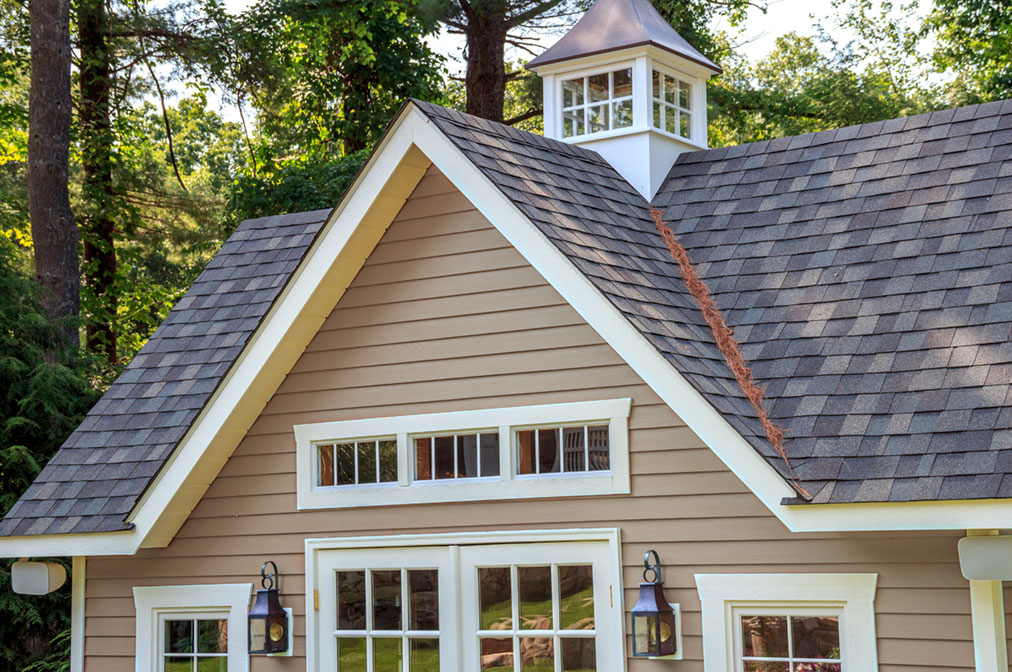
{"x":597,"y":103}
{"x":672,"y":98}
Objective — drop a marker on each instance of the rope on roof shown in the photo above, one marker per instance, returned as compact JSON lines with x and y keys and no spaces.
{"x":726,"y":342}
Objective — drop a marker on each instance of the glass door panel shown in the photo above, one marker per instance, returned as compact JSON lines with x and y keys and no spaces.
{"x":539,"y":608}
{"x":384,"y":612}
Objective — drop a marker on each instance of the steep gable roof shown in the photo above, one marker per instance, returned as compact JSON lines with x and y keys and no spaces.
{"x":867,"y":272}
{"x":901,"y":226}
{"x":99,"y":474}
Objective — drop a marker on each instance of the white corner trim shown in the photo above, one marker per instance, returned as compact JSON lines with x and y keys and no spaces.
{"x":153,"y":601}
{"x":987,"y":615}
{"x":613,"y":412}
{"x":853,"y":595}
{"x":77,"y":592}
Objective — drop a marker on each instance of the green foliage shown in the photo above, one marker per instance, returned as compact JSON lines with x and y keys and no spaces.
{"x":974,"y":44}
{"x":325,"y":77}
{"x":41,"y":401}
{"x":293,"y":187}
{"x":800,"y":89}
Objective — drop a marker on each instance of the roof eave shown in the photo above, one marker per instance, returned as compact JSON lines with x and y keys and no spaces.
{"x":537,"y":63}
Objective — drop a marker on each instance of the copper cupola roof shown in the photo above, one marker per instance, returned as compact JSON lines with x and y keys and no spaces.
{"x":611,"y":25}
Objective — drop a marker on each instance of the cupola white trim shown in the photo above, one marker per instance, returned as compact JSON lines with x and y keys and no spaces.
{"x":586,"y":89}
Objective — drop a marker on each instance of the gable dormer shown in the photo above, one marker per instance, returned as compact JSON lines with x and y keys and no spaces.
{"x":623,"y":83}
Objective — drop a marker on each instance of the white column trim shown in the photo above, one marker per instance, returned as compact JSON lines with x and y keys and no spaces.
{"x":77,"y":575}
{"x":987,"y":614}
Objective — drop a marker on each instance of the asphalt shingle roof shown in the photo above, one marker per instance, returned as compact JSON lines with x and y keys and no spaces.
{"x":866,"y":271}
{"x":97,"y":476}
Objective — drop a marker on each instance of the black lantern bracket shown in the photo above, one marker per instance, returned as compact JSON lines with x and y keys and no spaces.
{"x":267,"y":616}
{"x":657,"y":623}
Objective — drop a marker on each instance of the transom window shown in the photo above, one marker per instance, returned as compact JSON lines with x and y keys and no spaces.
{"x":361,"y":462}
{"x":563,"y":449}
{"x":672,"y":100}
{"x":597,"y":103}
{"x":195,"y":644}
{"x":471,"y":455}
{"x":553,"y":450}
{"x":790,"y":642}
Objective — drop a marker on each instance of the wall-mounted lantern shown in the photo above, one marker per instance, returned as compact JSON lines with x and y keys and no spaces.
{"x":653,"y":619}
{"x":268,"y":620}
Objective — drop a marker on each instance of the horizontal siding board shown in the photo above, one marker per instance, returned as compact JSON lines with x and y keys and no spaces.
{"x":446,"y":316}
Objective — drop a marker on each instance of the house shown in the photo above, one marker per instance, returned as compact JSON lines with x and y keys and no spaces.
{"x":458,"y":410}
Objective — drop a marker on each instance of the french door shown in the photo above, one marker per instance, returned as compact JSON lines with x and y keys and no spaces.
{"x":529,"y":607}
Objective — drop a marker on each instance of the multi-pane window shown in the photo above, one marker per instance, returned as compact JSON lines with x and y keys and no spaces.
{"x":194,"y":644}
{"x":536,"y":619}
{"x":597,"y":103}
{"x":790,"y":642}
{"x":388,"y":620}
{"x":554,"y":450}
{"x":357,"y":462}
{"x":471,"y":455}
{"x":672,"y":100}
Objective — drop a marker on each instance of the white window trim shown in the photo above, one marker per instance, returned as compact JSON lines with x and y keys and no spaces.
{"x":598,"y":69}
{"x":697,"y":107}
{"x":451,"y":541}
{"x":507,"y":485}
{"x":154,"y":602}
{"x":724,"y":595}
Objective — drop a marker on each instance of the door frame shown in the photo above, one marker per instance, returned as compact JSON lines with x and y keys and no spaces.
{"x":313,"y":547}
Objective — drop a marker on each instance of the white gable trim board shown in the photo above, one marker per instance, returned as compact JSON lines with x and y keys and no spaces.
{"x":347,"y":239}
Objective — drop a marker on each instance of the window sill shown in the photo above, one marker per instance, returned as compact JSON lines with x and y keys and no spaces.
{"x":435,"y":492}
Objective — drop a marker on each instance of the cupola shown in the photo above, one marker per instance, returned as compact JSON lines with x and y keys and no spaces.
{"x":623,"y":83}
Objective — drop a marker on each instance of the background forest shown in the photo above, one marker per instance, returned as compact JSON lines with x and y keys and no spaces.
{"x":179,"y":120}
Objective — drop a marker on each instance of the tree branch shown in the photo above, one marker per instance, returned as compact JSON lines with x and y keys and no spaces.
{"x":168,"y":126}
{"x":529,"y":114}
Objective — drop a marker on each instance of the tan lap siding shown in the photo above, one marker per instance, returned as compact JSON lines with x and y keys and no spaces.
{"x":445,"y":315}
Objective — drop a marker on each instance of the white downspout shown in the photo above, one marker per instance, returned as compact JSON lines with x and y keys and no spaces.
{"x":987,"y":613}
{"x":77,"y":615}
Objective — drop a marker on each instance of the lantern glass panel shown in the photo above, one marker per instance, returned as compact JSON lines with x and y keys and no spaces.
{"x":666,"y":635}
{"x":644,"y":635}
{"x":257,"y":634}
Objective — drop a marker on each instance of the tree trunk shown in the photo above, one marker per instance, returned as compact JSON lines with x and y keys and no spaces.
{"x":97,"y":140}
{"x":485,"y":79}
{"x":54,"y":233}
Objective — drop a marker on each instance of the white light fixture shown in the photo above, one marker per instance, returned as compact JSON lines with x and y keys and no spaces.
{"x":987,"y":558}
{"x":37,"y":578}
